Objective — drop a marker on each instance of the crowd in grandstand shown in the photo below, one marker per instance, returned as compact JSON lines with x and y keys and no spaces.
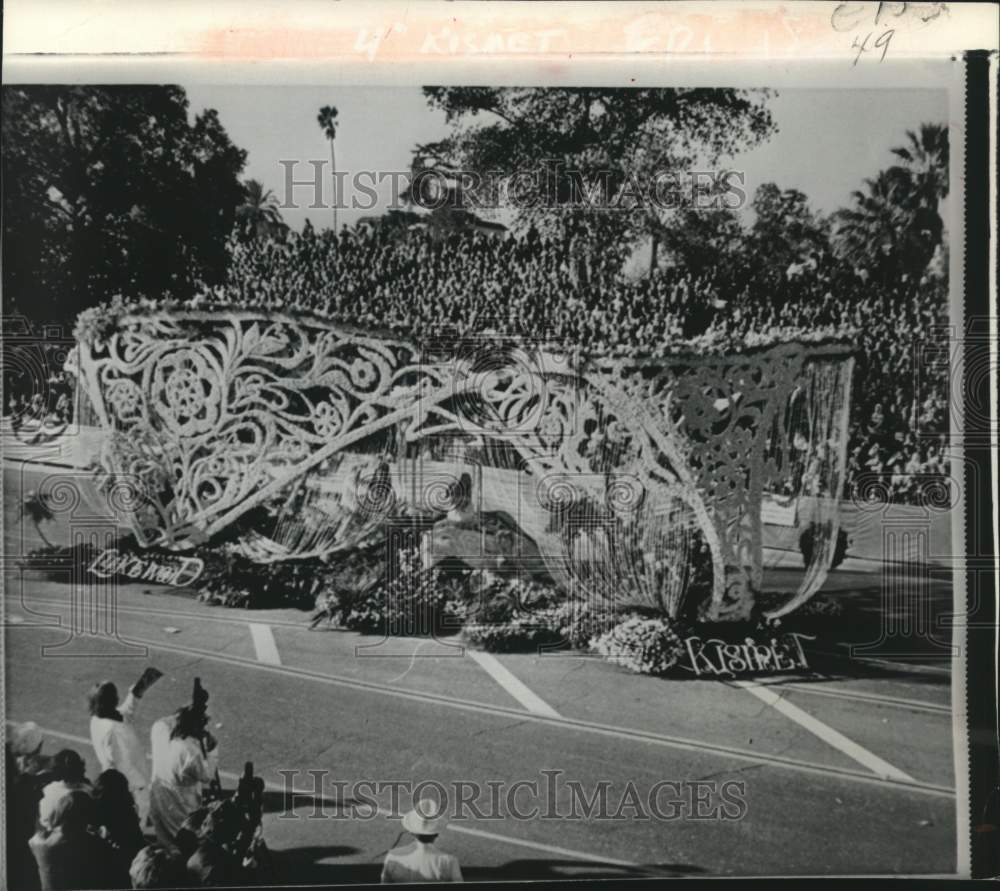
{"x":569,"y":289}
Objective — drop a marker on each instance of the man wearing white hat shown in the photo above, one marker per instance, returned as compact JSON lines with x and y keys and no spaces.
{"x":420,"y":861}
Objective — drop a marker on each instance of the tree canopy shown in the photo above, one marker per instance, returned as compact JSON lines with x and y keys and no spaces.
{"x":607,"y":142}
{"x":785,"y":229}
{"x":112,"y":189}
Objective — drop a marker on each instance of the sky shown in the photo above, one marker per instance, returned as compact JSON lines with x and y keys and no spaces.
{"x":827,"y":142}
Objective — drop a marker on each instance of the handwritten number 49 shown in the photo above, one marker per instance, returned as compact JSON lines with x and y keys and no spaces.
{"x":881,"y":43}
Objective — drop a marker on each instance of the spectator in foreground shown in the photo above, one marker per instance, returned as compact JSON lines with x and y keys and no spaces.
{"x":69,"y":774}
{"x":208,"y":841}
{"x":28,"y":772}
{"x":69,"y":856}
{"x":158,"y":867}
{"x":211,"y":866}
{"x":420,"y":861}
{"x":184,"y":761}
{"x":117,"y":817}
{"x":26,"y":746}
{"x":116,"y":744}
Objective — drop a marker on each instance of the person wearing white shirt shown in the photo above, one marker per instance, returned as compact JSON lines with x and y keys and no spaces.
{"x":69,"y":774}
{"x":421,"y":861}
{"x":116,"y":743}
{"x":185,"y":760}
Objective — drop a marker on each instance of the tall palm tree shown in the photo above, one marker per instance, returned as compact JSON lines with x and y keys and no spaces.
{"x":868,"y":233}
{"x":327,"y":120}
{"x":259,"y":212}
{"x":895,"y":225}
{"x":925,"y":163}
{"x":925,"y":158}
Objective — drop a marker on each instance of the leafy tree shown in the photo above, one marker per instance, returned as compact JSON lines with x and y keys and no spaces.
{"x":112,"y":189}
{"x":582,"y":148}
{"x":704,"y":240}
{"x":258,"y":215}
{"x":785,"y":230}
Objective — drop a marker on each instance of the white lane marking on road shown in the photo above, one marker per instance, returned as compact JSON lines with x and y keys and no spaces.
{"x":627,"y":734}
{"x":240,"y":617}
{"x":382,"y":812}
{"x":264,"y":644}
{"x":825,"y":732}
{"x":530,"y":700}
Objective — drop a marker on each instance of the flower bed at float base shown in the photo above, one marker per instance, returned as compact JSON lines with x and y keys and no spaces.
{"x":123,"y":563}
{"x":210,"y":573}
{"x":495,"y":611}
{"x":513,"y":613}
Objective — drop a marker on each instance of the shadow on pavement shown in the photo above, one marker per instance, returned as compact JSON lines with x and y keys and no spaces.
{"x":575,"y":869}
{"x":303,"y":866}
{"x":843,"y":666}
{"x":304,"y":804}
{"x":307,"y":866}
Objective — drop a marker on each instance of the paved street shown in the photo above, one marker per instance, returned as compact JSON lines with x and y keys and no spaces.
{"x":840,"y":767}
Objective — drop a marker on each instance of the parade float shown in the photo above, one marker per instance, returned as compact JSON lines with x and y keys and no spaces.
{"x":298,"y":437}
{"x":623,"y":503}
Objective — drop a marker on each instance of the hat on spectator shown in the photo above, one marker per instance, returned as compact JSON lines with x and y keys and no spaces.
{"x":26,"y":739}
{"x":424,"y":819}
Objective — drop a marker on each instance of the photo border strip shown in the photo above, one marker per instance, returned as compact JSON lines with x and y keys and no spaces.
{"x":979,"y":442}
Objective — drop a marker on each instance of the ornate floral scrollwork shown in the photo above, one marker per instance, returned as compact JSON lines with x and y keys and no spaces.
{"x":220,"y":413}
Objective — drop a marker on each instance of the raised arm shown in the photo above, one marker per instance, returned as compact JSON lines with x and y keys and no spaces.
{"x":128,"y":707}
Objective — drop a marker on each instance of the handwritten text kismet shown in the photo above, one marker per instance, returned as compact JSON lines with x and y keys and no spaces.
{"x":177,"y":572}
{"x":719,"y":657}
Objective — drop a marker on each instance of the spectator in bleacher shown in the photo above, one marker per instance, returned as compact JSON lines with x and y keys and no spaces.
{"x":566,"y":287}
